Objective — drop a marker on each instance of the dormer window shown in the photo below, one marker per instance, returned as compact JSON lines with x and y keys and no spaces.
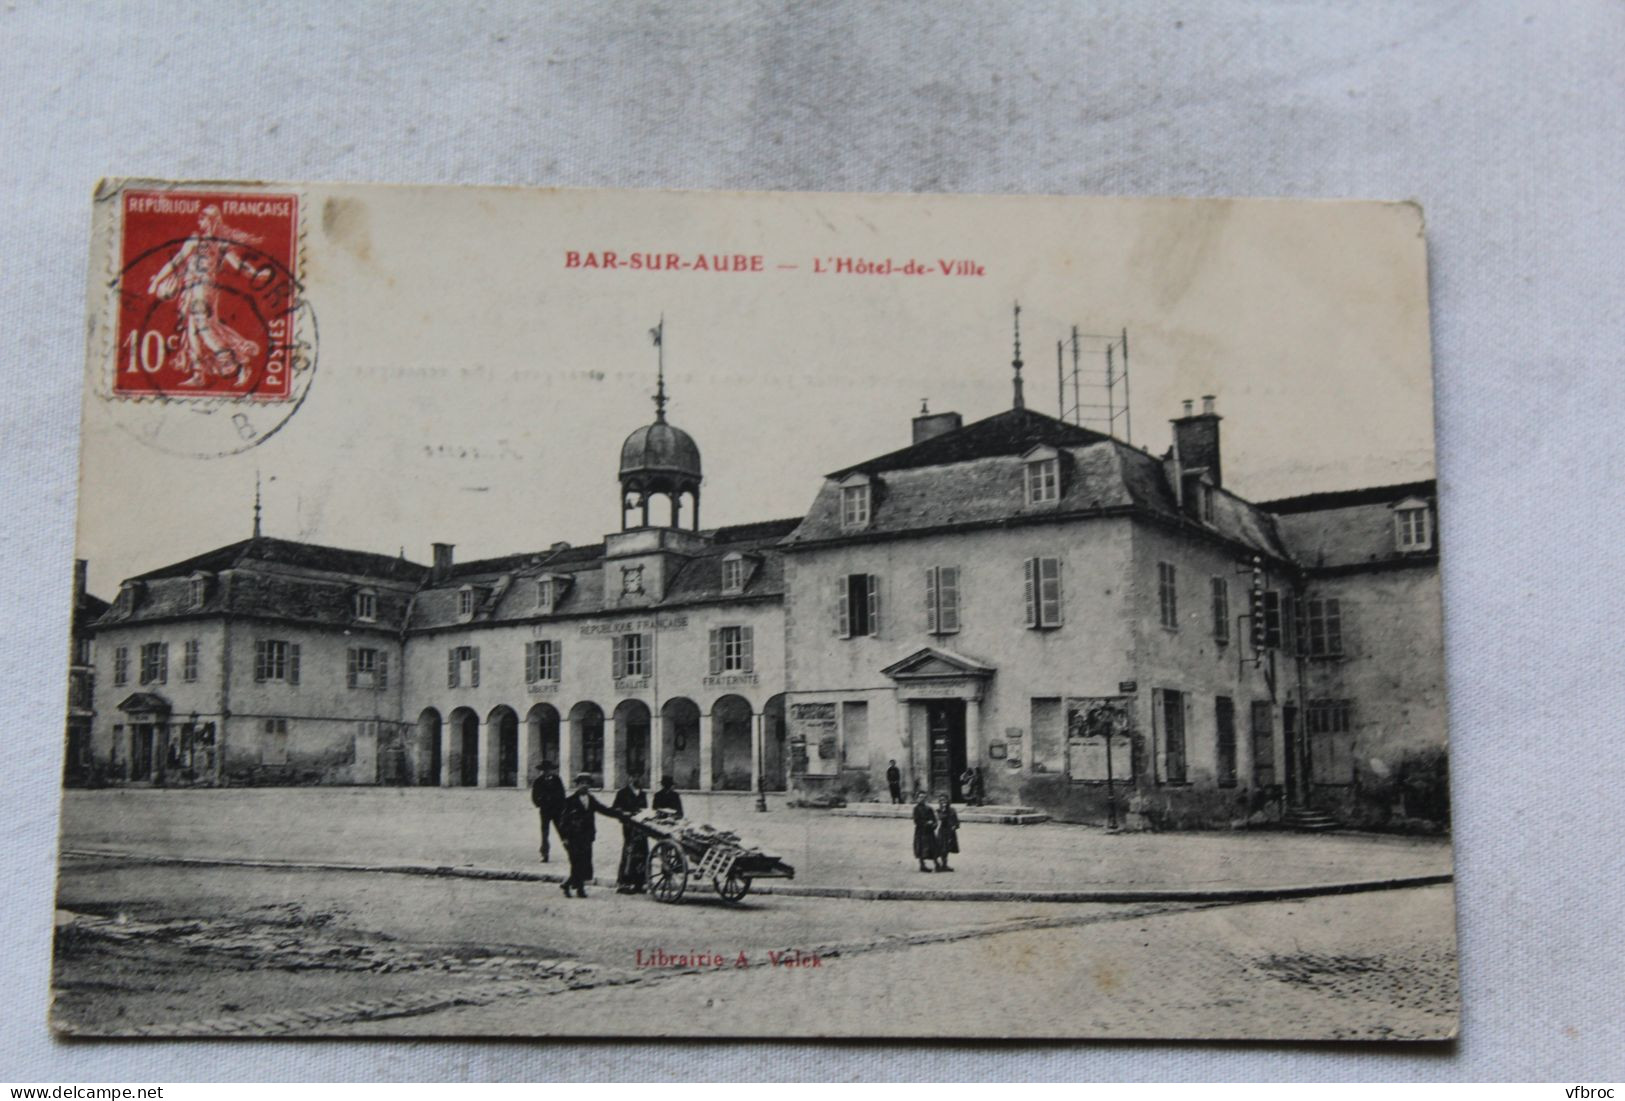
{"x":733,"y":573}
{"x":366,"y":605}
{"x":1413,"y":530}
{"x":465,"y":601}
{"x":549,"y":591}
{"x":857,"y":503}
{"x":1042,"y":476}
{"x":198,"y":589}
{"x":1204,"y":501}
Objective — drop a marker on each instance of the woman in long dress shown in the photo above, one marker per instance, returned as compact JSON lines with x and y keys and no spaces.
{"x":925,"y":832}
{"x":947,"y":833}
{"x":209,"y":347}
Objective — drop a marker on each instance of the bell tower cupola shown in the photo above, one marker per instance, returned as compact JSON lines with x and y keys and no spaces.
{"x":659,"y":460}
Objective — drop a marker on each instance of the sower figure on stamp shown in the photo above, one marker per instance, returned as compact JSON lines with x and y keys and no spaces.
{"x":209,"y":346}
{"x":894,"y":781}
{"x":634,"y":845}
{"x":579,"y":830}
{"x":947,"y":833}
{"x":925,"y":832}
{"x":547,"y":793}
{"x":667,"y":798}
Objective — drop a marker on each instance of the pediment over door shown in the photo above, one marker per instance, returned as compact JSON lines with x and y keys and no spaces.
{"x":934,"y":664}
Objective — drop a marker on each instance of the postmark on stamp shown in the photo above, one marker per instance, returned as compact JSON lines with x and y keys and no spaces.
{"x":213,"y":328}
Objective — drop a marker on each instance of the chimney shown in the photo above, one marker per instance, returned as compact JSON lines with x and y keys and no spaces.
{"x":930,"y":425}
{"x":80,"y":567}
{"x":1196,"y":439}
{"x":442,"y":561}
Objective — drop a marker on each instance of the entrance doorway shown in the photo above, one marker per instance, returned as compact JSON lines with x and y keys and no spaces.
{"x":945,"y":730}
{"x":141,"y":751}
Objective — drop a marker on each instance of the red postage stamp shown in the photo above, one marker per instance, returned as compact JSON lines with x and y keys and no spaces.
{"x":208,"y":292}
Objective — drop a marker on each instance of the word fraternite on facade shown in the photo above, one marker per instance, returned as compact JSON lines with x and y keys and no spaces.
{"x":1019,"y":595}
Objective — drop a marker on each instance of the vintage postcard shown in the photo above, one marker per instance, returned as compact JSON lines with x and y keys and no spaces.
{"x":508,"y":612}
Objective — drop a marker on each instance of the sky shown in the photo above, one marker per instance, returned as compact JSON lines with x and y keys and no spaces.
{"x":472,"y":387}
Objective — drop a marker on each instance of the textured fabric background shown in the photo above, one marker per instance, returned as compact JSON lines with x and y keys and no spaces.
{"x":1505,"y":120}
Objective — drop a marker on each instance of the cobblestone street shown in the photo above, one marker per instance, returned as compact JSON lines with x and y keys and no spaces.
{"x":161,"y":950}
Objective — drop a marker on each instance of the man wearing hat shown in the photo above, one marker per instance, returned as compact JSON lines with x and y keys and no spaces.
{"x":547,"y":793}
{"x":579,"y":830}
{"x":634,"y":867}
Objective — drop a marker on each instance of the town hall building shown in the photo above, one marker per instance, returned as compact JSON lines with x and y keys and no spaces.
{"x":1064,"y":620}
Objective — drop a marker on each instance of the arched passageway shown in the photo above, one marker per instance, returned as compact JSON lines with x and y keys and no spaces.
{"x":731,"y":723}
{"x":632,"y":741}
{"x":680,"y":742}
{"x":463,"y":757}
{"x":587,"y":740}
{"x":502,"y":745}
{"x":426,"y":749}
{"x":774,"y":777}
{"x":542,"y":739}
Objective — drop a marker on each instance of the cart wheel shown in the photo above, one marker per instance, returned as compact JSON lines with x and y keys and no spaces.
{"x":668,"y":872}
{"x":733,"y":888}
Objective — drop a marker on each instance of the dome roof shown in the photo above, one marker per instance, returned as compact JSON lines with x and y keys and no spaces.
{"x":660,"y":449}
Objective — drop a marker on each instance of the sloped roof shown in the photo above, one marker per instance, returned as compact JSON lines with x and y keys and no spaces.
{"x":1101,"y":475}
{"x":1012,"y":432}
{"x":1351,"y":529}
{"x":287,"y":552}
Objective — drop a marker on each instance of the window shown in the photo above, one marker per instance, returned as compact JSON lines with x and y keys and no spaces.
{"x":1263,"y":744}
{"x":274,"y":742}
{"x":549,"y":591}
{"x":1412,"y":531}
{"x":1043,"y":481}
{"x":1224,"y":719}
{"x":1320,"y":628}
{"x":121,"y":665}
{"x":1204,"y":502}
{"x":1332,"y":753}
{"x":1042,"y":591}
{"x":1167,"y":596}
{"x":855,"y":506}
{"x":733,"y":650}
{"x":189,"y":660}
{"x":463,"y":666}
{"x":83,"y":651}
{"x":942,"y":600}
{"x":366,"y":605}
{"x":858,"y":605}
{"x":543,"y":659}
{"x":367,"y":668}
{"x":276,"y":660}
{"x":198,"y":589}
{"x":629,"y":656}
{"x":1168,"y":707}
{"x":465,"y":601}
{"x":154,"y":662}
{"x":733,"y":574}
{"x":1221,"y":610}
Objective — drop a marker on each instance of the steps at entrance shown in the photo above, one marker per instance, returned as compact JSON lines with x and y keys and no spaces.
{"x":1314,"y":821}
{"x":1002,"y":815}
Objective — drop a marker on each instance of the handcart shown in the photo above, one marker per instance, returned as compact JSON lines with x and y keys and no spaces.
{"x":680,"y":850}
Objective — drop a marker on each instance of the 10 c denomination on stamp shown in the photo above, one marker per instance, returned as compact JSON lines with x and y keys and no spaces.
{"x":208,"y":296}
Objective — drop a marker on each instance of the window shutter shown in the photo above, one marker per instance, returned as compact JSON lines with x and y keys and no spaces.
{"x":617,"y":656}
{"x":1030,"y":597}
{"x":1158,"y":725}
{"x":558,"y":659}
{"x":843,"y":604}
{"x":451,"y":667}
{"x":349,"y":667}
{"x":473,"y":666}
{"x":383,"y":669}
{"x":1050,"y":591}
{"x":931,"y":597}
{"x":874,"y":603}
{"x":163,"y":663}
{"x":747,"y":648}
{"x":948,"y":599}
{"x":293,"y":663}
{"x":716,"y":651}
{"x":259,"y":659}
